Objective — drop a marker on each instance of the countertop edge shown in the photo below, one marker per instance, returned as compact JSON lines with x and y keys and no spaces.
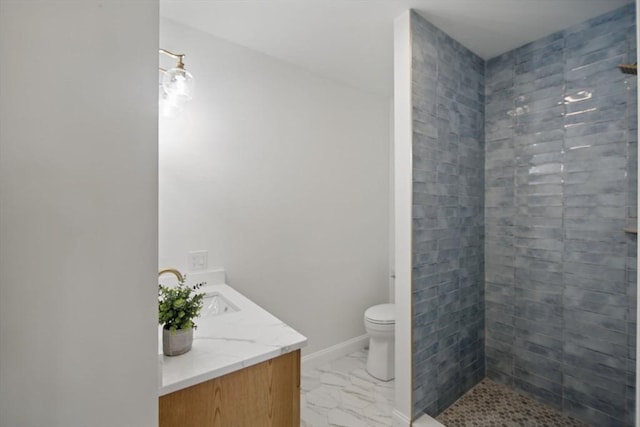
{"x":179,"y":385}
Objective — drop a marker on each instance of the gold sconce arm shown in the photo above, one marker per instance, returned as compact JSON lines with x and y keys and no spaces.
{"x":178,"y":56}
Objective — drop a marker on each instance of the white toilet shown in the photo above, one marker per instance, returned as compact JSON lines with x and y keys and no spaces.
{"x":380,"y":323}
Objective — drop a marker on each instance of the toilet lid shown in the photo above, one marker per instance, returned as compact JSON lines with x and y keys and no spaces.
{"x":383,"y":313}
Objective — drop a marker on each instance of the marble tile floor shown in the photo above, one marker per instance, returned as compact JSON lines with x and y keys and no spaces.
{"x":342,"y":393}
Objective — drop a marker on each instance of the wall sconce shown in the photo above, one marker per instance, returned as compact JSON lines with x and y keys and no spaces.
{"x":176,"y":85}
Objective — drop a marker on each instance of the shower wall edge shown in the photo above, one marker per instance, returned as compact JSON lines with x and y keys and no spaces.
{"x":403,"y":201}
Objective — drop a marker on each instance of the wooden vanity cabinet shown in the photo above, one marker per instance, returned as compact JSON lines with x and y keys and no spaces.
{"x":264,"y":395}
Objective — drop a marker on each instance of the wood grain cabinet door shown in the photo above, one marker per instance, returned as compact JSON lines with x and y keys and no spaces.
{"x":263,"y":395}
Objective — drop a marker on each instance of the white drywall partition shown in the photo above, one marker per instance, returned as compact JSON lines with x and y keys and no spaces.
{"x":78,"y":213}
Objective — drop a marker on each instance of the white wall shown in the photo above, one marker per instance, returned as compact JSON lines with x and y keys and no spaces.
{"x":403,"y":128}
{"x":78,"y":203}
{"x":283,"y":177}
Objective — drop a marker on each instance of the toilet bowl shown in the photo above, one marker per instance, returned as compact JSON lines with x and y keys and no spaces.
{"x":380,"y":324}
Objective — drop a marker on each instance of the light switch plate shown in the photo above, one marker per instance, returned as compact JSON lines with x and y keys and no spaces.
{"x":198,"y":260}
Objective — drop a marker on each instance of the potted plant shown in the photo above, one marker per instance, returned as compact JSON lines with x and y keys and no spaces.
{"x":178,"y":307}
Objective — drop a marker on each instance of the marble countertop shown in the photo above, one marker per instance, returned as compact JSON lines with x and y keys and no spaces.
{"x":226,"y":343}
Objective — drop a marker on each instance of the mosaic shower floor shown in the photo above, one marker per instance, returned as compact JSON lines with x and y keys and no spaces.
{"x":490,"y":404}
{"x":341,"y":393}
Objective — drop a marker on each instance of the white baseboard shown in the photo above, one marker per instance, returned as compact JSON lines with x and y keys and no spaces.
{"x":319,"y":358}
{"x":426,"y":421}
{"x":399,"y":419}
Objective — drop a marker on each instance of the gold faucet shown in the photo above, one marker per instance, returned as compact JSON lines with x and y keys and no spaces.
{"x":173,"y":271}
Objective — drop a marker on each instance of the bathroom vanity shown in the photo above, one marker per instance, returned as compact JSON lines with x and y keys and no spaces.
{"x":243,"y":368}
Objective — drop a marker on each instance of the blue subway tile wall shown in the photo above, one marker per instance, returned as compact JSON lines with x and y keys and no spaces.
{"x":560,"y":187}
{"x":448,"y":218}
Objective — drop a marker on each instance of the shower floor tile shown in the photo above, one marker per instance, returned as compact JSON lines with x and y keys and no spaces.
{"x":342,"y":393}
{"x":490,"y":404}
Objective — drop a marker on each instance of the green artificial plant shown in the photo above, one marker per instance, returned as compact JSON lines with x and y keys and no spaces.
{"x":178,"y":306}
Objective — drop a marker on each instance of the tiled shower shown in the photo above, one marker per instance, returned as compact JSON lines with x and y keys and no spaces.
{"x":448,"y":225}
{"x":524,"y":201}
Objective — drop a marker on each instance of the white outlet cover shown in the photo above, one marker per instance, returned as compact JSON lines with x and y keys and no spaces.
{"x":198,"y":260}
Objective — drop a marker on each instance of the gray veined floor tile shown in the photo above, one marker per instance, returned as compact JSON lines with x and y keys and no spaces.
{"x":346,"y":418}
{"x":312,"y":416}
{"x":342,"y":393}
{"x":310,"y":380}
{"x":334,"y":378}
{"x":323,"y":398}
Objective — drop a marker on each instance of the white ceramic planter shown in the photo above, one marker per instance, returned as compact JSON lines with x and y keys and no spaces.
{"x":176,"y":342}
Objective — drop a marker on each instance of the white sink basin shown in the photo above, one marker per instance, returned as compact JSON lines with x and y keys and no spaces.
{"x":214,"y":304}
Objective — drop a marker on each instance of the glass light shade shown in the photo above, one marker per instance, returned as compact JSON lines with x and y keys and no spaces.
{"x":178,"y":82}
{"x":171,"y":106}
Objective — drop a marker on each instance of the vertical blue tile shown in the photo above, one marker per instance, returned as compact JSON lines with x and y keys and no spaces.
{"x":448,"y":218}
{"x":560,"y":183}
